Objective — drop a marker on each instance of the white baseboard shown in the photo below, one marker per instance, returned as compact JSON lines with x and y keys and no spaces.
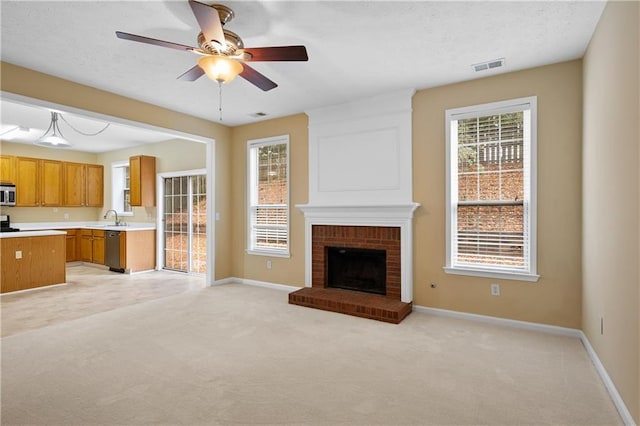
{"x":233,"y":280}
{"x":551,"y":329}
{"x":532,"y":326}
{"x":608,"y":383}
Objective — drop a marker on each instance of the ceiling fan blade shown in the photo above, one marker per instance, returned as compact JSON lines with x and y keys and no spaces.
{"x":257,"y":79}
{"x":278,"y":53}
{"x":209,"y":21}
{"x":192,"y":74}
{"x":156,"y":42}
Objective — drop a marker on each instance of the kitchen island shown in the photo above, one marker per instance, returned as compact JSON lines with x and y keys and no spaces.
{"x":31,"y":259}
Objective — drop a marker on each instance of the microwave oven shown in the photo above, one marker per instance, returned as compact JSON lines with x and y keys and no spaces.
{"x":7,"y":194}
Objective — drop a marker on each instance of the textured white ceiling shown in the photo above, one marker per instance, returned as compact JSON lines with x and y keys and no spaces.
{"x":356,"y":48}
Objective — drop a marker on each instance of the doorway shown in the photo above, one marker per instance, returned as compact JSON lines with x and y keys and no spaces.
{"x":184,"y":221}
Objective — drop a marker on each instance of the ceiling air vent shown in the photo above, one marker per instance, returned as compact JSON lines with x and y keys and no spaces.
{"x":494,"y":63}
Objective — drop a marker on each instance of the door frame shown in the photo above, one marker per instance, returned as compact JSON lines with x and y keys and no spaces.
{"x":160,"y":212}
{"x":210,"y":160}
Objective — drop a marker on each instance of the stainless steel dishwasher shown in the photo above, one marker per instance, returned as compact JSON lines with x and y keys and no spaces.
{"x":112,"y":251}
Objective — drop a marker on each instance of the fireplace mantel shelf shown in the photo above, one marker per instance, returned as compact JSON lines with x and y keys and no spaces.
{"x":397,"y":211}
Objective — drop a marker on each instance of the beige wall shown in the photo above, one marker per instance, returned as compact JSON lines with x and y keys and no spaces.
{"x":33,"y":84}
{"x":284,"y":270}
{"x":173,"y":155}
{"x":555,"y":299}
{"x":611,"y":200}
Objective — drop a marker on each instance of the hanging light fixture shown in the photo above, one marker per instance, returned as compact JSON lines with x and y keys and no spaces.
{"x":55,"y":139}
{"x":221,"y":69}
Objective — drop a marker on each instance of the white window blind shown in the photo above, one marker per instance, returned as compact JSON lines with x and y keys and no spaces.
{"x":269,"y":196}
{"x":491,"y":194}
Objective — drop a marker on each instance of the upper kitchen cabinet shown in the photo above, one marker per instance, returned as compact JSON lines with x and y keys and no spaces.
{"x":7,"y":169}
{"x":51,"y":183}
{"x":38,"y":182}
{"x":83,"y":185}
{"x":94,"y":181}
{"x":142,"y":173}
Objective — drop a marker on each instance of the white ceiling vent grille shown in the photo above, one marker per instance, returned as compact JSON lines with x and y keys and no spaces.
{"x":488,"y":65}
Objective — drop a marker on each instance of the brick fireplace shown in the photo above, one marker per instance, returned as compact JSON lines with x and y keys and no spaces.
{"x":360,"y":197}
{"x":385,"y":238}
{"x":382,"y":228}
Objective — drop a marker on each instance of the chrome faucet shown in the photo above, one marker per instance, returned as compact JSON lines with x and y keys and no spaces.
{"x":115,"y":213}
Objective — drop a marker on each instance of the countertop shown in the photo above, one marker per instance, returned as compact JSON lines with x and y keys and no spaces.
{"x":102,"y":225}
{"x":45,"y":233}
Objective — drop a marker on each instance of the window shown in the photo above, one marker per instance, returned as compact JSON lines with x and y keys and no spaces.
{"x":491,"y":193}
{"x":120,"y":188}
{"x":268,"y":192}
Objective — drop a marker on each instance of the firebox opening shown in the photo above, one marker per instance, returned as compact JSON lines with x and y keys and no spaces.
{"x":357,"y":269}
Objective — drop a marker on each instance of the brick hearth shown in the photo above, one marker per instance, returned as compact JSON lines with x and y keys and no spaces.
{"x":387,"y":308}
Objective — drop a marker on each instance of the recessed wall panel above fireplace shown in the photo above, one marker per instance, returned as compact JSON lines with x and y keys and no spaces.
{"x":360,"y":152}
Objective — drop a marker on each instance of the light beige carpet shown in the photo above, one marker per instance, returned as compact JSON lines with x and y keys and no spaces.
{"x":236,"y":354}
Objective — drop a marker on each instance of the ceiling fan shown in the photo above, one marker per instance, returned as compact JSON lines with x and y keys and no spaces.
{"x":223,"y":53}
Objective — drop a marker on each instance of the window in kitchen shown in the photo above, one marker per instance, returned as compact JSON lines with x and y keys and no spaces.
{"x":491,"y":190}
{"x":120,"y":200}
{"x":268,"y":193}
{"x":184,"y":214}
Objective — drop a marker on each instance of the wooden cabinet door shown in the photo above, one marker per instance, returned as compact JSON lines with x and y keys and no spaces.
{"x":94,"y":185}
{"x":51,"y":188}
{"x":7,"y":169}
{"x":142,"y":174}
{"x":98,"y":247}
{"x":72,"y":245}
{"x":86,"y":245}
{"x":74,"y":188}
{"x":27,"y":191}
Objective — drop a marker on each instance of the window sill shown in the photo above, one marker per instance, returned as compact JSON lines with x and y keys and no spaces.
{"x":269,"y":253}
{"x":492,"y":274}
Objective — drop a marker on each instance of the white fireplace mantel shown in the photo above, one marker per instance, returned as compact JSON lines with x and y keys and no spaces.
{"x":391,"y":215}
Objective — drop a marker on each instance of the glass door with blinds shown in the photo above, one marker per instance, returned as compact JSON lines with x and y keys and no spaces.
{"x":185,"y":223}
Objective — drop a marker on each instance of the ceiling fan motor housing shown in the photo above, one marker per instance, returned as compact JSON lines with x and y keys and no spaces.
{"x":233,"y":44}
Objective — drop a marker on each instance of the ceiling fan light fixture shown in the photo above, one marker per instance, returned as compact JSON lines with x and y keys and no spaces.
{"x":55,"y":139}
{"x":220,"y":68}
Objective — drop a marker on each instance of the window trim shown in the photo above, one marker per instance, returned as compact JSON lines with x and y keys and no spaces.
{"x":114,"y":196}
{"x":451,"y":159}
{"x":257,"y":143}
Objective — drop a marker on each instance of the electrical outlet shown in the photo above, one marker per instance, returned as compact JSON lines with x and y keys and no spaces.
{"x":217,"y":215}
{"x":66,"y":216}
{"x":495,"y":289}
{"x":269,"y":264}
{"x":18,"y":254}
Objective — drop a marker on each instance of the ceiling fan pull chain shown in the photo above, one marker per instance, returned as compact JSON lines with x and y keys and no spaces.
{"x":220,"y":99}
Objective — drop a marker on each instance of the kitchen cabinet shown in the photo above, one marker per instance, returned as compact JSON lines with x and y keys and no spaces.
{"x":7,"y":169}
{"x":38,"y":182}
{"x":29,"y":262}
{"x":92,"y":246}
{"x":83,"y":185}
{"x":50,"y":182}
{"x":72,"y":245}
{"x":94,"y":185}
{"x":142,"y":184}
{"x":27,"y":188}
{"x":138,"y":250}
